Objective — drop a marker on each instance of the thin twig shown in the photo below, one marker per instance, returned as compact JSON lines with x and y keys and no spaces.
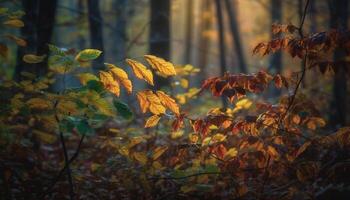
{"x":301,"y":34}
{"x":57,"y":178}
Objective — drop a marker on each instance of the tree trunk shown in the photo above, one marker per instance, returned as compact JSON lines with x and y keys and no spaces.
{"x":45,"y":27}
{"x":338,"y":19}
{"x":276,"y":58}
{"x":203,"y":40}
{"x":96,"y":32}
{"x":231,"y":10}
{"x":159,"y":36}
{"x":39,"y":22}
{"x":119,"y":46}
{"x":189,"y":28}
{"x":222,"y":54}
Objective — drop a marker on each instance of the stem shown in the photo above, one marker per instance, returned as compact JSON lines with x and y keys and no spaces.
{"x":69,"y":175}
{"x":301,"y":34}
{"x":57,"y":178}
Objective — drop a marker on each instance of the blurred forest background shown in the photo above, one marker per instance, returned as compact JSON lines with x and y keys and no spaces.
{"x":215,"y":36}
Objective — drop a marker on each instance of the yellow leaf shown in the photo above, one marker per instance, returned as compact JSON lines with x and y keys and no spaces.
{"x":67,"y":107}
{"x":168,"y":102}
{"x":158,"y":152}
{"x":148,"y":100}
{"x":44,"y":137}
{"x":206,"y":141}
{"x":142,"y":98}
{"x":38,"y":103}
{"x":231,"y":153}
{"x":135,"y":140}
{"x":244,"y":103}
{"x":141,"y":157}
{"x":193,"y":137}
{"x":141,"y":71}
{"x":88,"y":55}
{"x":157,"y":165}
{"x":14,"y":23}
{"x":86,"y":77}
{"x":30,"y":58}
{"x":109,"y":83}
{"x":163,"y":67}
{"x":184,"y":83}
{"x":124,"y":151}
{"x":219,"y":137}
{"x":152,"y":121}
{"x":176,"y":134}
{"x":121,"y":76}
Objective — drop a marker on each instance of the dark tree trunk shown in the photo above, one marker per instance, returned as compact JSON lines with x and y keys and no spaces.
{"x":189,"y":28}
{"x":231,"y":10}
{"x":276,"y":58}
{"x":39,"y":22}
{"x":159,"y":36}
{"x":96,"y":32}
{"x":222,"y":54}
{"x":338,"y":19}
{"x":119,"y":46}
{"x":28,"y":33}
{"x":45,"y":27}
{"x":203,"y":41}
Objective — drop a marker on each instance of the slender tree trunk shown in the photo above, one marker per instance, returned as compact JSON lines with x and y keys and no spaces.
{"x":231,"y":10}
{"x":28,"y":33}
{"x":338,"y":19}
{"x":189,"y":31}
{"x":222,"y":54}
{"x":45,"y":27}
{"x":81,"y":40}
{"x":119,"y":35}
{"x":96,"y":32}
{"x":159,"y":36}
{"x":39,"y":22}
{"x":276,"y":58}
{"x":203,"y":40}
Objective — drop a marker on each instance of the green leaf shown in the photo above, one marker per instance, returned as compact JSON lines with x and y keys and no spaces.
{"x":95,"y":85}
{"x":88,"y":55}
{"x":84,"y":128}
{"x":56,"y":50}
{"x":123,"y":109}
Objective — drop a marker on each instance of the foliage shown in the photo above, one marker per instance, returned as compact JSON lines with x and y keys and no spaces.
{"x":252,"y":150}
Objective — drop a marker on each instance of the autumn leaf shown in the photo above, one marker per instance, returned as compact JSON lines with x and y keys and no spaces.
{"x":14,"y":23}
{"x":149,"y":101}
{"x":141,"y":71}
{"x":109,"y":83}
{"x":39,"y":103}
{"x":152,"y":121}
{"x":88,"y":55}
{"x":141,"y":157}
{"x":19,"y":41}
{"x":121,"y":76}
{"x":158,"y":152}
{"x":278,"y":81}
{"x":231,"y":153}
{"x":163,"y":67}
{"x":45,"y":137}
{"x":31,"y":58}
{"x":143,"y":102}
{"x":168,"y":102}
